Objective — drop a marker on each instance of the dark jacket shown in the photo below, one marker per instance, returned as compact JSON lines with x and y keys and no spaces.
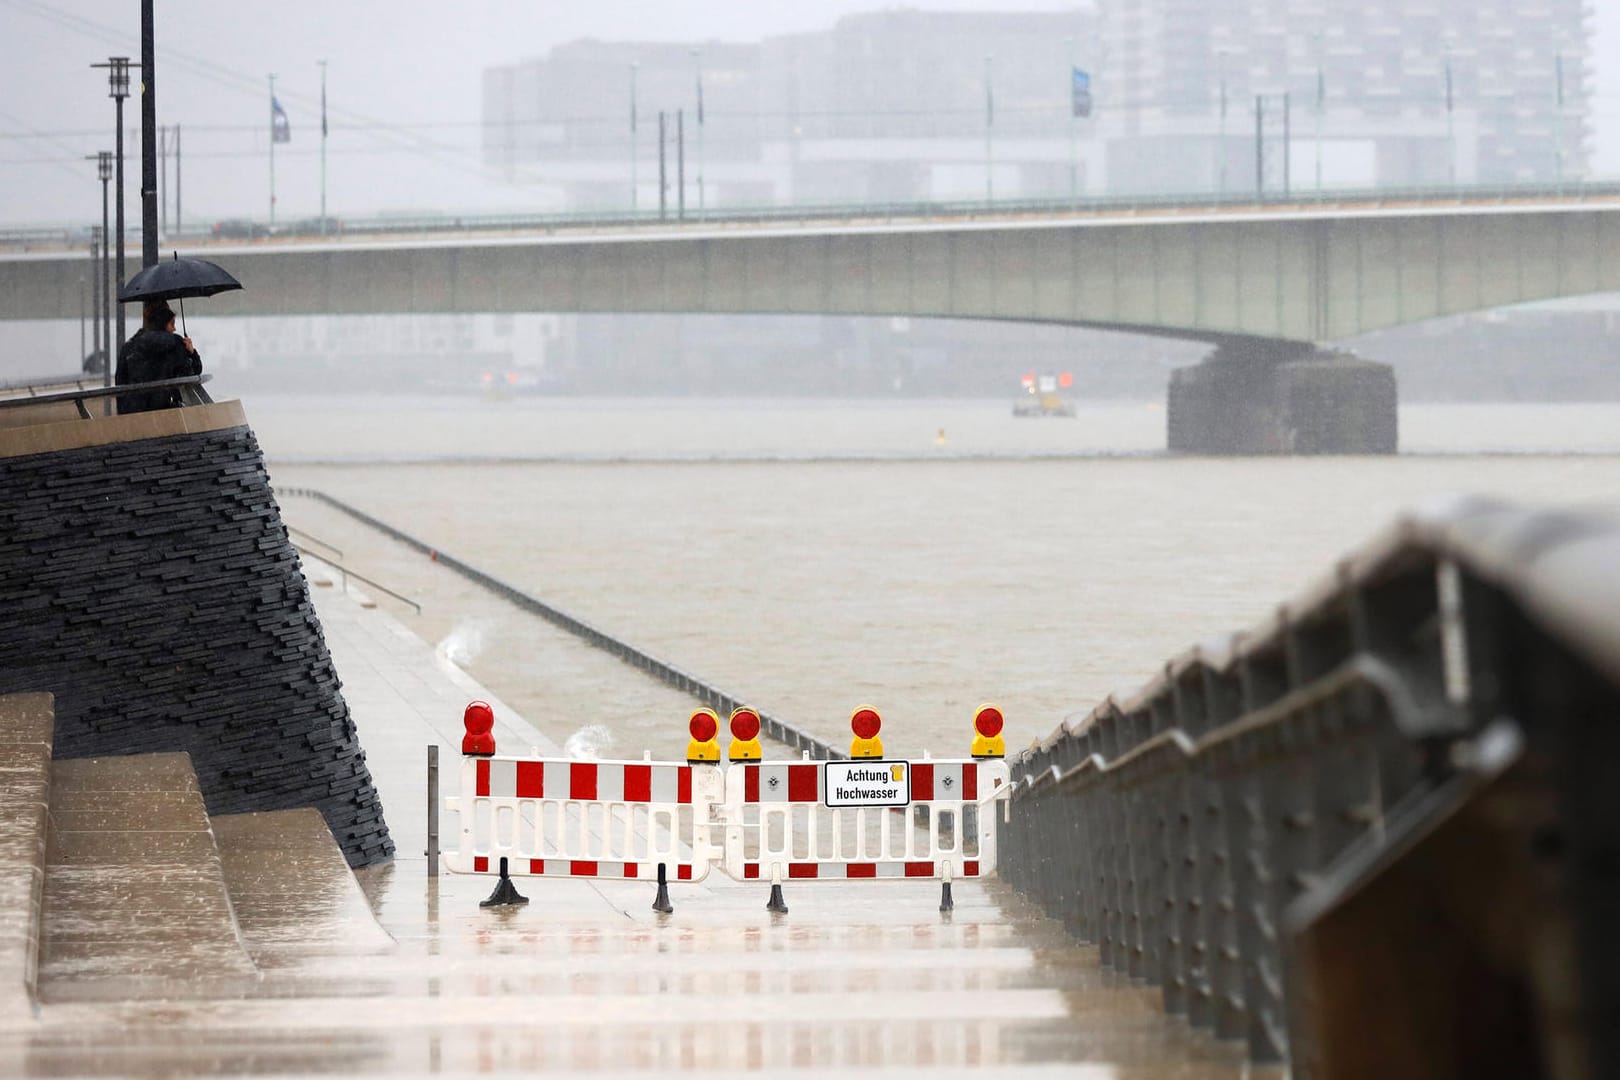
{"x":147,"y":357}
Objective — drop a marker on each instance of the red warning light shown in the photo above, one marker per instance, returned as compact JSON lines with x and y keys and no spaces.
{"x":987,"y":721}
{"x":704,"y":726}
{"x":866,"y":723}
{"x":1065,"y":380}
{"x":479,"y":720}
{"x":1029,"y":378}
{"x":745,"y":724}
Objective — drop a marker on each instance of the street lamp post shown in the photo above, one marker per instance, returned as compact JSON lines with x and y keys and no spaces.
{"x":149,"y":171}
{"x":104,"y":172}
{"x":118,"y":89}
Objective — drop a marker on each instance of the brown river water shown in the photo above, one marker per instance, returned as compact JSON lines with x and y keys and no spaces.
{"x":811,"y":556}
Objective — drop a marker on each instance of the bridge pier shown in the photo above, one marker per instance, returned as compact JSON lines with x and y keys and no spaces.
{"x":1283,"y":397}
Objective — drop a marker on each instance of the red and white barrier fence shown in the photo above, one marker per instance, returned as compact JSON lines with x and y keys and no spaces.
{"x":863,"y":818}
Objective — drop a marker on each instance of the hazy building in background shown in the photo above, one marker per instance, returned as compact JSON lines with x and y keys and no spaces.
{"x":1188,"y":95}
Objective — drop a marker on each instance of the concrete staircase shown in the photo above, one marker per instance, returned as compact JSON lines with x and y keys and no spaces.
{"x":115,"y":884}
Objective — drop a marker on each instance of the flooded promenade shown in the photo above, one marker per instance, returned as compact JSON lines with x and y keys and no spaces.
{"x":407,"y":975}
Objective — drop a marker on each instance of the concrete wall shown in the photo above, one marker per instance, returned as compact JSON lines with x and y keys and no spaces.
{"x":147,"y":581}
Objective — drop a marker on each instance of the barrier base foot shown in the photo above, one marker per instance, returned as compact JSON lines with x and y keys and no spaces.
{"x":945,"y":901}
{"x":776,"y":903}
{"x":661,"y":902}
{"x":505,"y":893}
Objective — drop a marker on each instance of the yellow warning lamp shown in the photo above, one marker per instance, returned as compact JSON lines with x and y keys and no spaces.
{"x":744,"y":735}
{"x":865,"y":723}
{"x":987,"y":740}
{"x":705,"y":746}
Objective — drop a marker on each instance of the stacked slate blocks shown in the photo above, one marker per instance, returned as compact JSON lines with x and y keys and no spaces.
{"x":150,"y":585}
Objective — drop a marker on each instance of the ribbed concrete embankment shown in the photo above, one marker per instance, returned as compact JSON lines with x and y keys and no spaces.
{"x":146,"y":579}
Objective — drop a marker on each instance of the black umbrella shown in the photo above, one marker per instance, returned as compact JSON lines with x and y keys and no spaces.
{"x":177,"y":279}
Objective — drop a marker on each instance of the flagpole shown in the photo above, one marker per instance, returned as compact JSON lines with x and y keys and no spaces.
{"x":322,"y":63}
{"x":989,"y":126}
{"x":1074,"y":169}
{"x":272,"y":151}
{"x":634,"y":184}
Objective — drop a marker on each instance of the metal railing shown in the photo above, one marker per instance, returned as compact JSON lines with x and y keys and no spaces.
{"x":345,"y":574}
{"x":190,"y":387}
{"x":1310,"y":200}
{"x":1217,"y":833}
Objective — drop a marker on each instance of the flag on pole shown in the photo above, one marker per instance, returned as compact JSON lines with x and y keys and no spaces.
{"x":1080,"y":93}
{"x":280,"y":129}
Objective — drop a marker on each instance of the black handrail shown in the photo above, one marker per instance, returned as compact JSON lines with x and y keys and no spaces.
{"x":190,"y":387}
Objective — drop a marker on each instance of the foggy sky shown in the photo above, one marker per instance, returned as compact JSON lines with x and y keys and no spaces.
{"x":391,"y":62}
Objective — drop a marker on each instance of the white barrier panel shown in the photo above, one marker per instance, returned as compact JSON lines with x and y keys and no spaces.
{"x":866,"y":818}
{"x":585,"y":819}
{"x":780,"y":821}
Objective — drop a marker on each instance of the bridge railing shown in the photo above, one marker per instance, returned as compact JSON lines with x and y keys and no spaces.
{"x":1397,"y":802}
{"x":25,"y":397}
{"x":744,"y":215}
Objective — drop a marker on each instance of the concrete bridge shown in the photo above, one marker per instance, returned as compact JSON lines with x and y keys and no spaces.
{"x":1266,"y":284}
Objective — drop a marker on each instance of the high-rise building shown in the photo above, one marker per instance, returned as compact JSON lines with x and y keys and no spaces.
{"x":1344,"y":93}
{"x":1190,"y":97}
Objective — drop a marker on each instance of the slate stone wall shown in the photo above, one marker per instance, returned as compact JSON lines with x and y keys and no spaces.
{"x":150,"y":585}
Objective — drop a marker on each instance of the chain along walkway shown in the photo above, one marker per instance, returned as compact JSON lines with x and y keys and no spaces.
{"x":587,"y":979}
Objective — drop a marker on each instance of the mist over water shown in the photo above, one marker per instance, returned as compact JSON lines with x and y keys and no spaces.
{"x":810,"y":556}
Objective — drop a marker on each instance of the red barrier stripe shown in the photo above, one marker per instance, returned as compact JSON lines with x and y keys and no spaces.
{"x":922,"y":783}
{"x":862,"y":869}
{"x":751,"y":784}
{"x":970,"y":781}
{"x":483,"y":776}
{"x":683,"y":872}
{"x":919,"y":869}
{"x":802,"y":869}
{"x":531,"y":780}
{"x":582,"y":869}
{"x":537,"y":866}
{"x":750,"y":871}
{"x":630,"y":870}
{"x":684,"y":785}
{"x":802,"y":786}
{"x":480,"y":864}
{"x":971,"y":868}
{"x":638,"y":783}
{"x":582,"y":780}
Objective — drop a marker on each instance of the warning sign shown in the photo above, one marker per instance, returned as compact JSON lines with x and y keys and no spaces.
{"x":867,"y":783}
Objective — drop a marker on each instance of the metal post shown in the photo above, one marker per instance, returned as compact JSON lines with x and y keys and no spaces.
{"x":433,"y":812}
{"x":697,"y":57}
{"x":149,"y":169}
{"x":1220,"y":150}
{"x":1259,"y":148}
{"x":178,"y":227}
{"x":663,"y":182}
{"x":633,"y":181}
{"x":163,"y":180}
{"x":272,"y":151}
{"x":1288,"y":148}
{"x":1558,"y":119}
{"x":322,"y":63}
{"x":989,"y":128}
{"x":1074,"y":167}
{"x":81,"y":323}
{"x":95,"y":293}
{"x":1321,"y":105}
{"x":1451,"y":130}
{"x":680,"y":164}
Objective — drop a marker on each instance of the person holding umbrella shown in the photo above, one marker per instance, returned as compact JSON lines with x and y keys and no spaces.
{"x":156,"y":352}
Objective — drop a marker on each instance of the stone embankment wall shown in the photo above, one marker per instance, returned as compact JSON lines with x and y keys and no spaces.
{"x":148,"y":582}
